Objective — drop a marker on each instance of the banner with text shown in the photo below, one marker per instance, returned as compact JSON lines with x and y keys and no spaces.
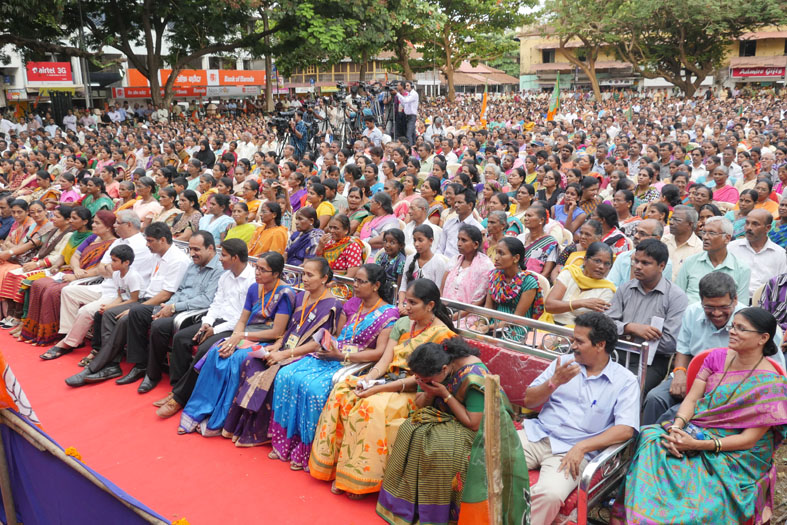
{"x":770,"y":72}
{"x":202,"y":77}
{"x":48,"y":72}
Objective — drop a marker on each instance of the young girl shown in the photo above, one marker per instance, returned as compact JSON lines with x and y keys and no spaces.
{"x":423,"y":264}
{"x":392,"y":257}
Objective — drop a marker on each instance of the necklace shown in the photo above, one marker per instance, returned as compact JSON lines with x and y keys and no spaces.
{"x":262,"y":295}
{"x":415,"y":333}
{"x":303,"y":308}
{"x":359,"y":317}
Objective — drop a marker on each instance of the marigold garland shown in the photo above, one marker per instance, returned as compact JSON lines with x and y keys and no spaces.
{"x":181,"y":521}
{"x":74,"y":453}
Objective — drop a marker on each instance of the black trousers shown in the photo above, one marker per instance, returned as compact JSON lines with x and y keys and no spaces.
{"x":148,"y":339}
{"x":180,"y":360}
{"x":111,"y":338}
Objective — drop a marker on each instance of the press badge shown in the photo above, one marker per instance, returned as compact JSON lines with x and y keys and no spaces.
{"x":312,"y":317}
{"x":292,"y":342}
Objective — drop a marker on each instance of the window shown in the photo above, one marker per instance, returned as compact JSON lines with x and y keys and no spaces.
{"x":547,"y":56}
{"x":748,"y":48}
{"x":214,"y":63}
{"x":311,"y":70}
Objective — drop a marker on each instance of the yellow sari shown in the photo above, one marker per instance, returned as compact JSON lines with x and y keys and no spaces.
{"x":354,"y":435}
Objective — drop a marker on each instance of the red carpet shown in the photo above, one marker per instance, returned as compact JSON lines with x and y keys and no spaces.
{"x":205,"y":480}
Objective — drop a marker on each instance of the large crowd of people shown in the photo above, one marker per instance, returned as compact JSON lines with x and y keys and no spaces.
{"x":650,"y":219}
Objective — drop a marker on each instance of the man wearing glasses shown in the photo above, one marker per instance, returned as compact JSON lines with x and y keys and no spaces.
{"x":716,"y":235}
{"x":706,"y":324}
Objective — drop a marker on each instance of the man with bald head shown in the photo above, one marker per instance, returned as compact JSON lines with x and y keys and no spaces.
{"x":621,"y":269}
{"x":764,"y":257}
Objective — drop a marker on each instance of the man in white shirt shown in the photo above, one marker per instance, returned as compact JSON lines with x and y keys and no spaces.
{"x":697,"y":168}
{"x":418,"y":209}
{"x":70,"y":121}
{"x":372,"y":132}
{"x":51,"y":128}
{"x":434,"y":129}
{"x":464,"y":203}
{"x":682,"y":242}
{"x":408,"y":98}
{"x":218,"y":323}
{"x":728,"y":160}
{"x":764,"y":257}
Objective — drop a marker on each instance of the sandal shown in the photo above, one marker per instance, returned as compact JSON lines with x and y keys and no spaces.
{"x":273,"y":455}
{"x":87,"y":359}
{"x":335,"y":490}
{"x":355,"y":497}
{"x":295,"y":466}
{"x":55,"y":352}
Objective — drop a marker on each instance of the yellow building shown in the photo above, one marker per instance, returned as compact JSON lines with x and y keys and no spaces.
{"x":759,"y":56}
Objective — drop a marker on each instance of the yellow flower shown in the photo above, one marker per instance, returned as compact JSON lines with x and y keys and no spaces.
{"x":74,"y":453}
{"x":181,"y":521}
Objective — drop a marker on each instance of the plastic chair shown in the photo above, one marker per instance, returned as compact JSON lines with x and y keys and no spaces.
{"x":757,"y":295}
{"x":543,"y":283}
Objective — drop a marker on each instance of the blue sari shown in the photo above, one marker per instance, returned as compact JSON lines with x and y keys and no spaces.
{"x":301,"y":389}
{"x":218,"y":379}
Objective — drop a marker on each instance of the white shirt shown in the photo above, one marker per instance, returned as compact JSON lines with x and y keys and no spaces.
{"x":143,"y":261}
{"x":70,"y":122}
{"x":229,"y":300}
{"x":375,"y":135}
{"x":771,"y":260}
{"x":127,"y":284}
{"x":167,"y":273}
{"x":409,"y":102}
{"x":410,"y":226}
{"x":447,"y":245}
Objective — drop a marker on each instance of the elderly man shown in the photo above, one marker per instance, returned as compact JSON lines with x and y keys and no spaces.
{"x":589,"y":403}
{"x":464,"y":204}
{"x":110,"y":328}
{"x":649,"y":308}
{"x":621,"y":271}
{"x":196,"y":292}
{"x":73,"y":297}
{"x":764,"y":257}
{"x":682,"y":242}
{"x":715,"y":256}
{"x":418,"y":209}
{"x":706,"y":325}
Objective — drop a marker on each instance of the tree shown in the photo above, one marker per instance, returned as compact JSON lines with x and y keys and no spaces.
{"x":412,"y":21}
{"x":473,"y":30}
{"x":684,"y":41}
{"x":589,"y":22}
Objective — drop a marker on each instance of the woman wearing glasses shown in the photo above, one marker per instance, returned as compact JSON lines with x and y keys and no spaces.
{"x":580,"y":289}
{"x":715,"y":459}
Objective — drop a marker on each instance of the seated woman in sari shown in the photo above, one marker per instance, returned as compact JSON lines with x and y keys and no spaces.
{"x":427,"y":471}
{"x":69,"y":231}
{"x":580,"y":289}
{"x":574,"y":253}
{"x":343,"y":253}
{"x":714,"y":462}
{"x":383,"y":219}
{"x":187,"y":222}
{"x":126,"y":196}
{"x":96,"y":197}
{"x":303,"y":243}
{"x":20,"y":247}
{"x":217,"y":220}
{"x":249,"y":417}
{"x":269,"y":304}
{"x":271,"y":236}
{"x":242,"y":229}
{"x":500,"y":202}
{"x":356,"y":207}
{"x":541,"y":249}
{"x":512,"y":288}
{"x":300,"y":389}
{"x":169,"y":213}
{"x":42,"y":324}
{"x":359,"y":423}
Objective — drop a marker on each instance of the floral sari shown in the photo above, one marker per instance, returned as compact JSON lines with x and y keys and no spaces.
{"x":300,"y":389}
{"x":218,"y":378}
{"x":249,"y":417}
{"x":728,"y":487}
{"x":355,"y":434}
{"x":43,"y":312}
{"x":468,"y":285}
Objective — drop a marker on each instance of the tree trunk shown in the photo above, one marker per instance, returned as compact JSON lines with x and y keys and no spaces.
{"x":268,"y":66}
{"x":448,"y":69}
{"x":591,"y":73}
{"x":153,"y":79}
{"x":364,"y":66}
{"x":403,"y":58}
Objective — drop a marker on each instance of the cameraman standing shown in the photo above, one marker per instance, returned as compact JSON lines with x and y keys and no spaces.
{"x":408,"y":98}
{"x":300,"y":135}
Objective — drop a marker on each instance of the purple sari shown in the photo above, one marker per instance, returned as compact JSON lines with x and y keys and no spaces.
{"x":295,"y":199}
{"x":250,"y":414}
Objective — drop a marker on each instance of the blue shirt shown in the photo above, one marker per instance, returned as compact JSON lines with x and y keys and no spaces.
{"x":585,"y":406}
{"x":621,"y":269}
{"x":697,"y":333}
{"x":5,"y":226}
{"x":198,"y":287}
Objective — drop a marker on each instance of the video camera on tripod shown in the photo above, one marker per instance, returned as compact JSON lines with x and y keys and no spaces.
{"x":281,"y":121}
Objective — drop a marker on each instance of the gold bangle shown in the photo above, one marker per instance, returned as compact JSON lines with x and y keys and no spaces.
{"x":446,"y":398}
{"x":402,"y":390}
{"x":570,"y":306}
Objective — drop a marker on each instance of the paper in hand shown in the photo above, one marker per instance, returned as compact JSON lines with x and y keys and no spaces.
{"x":657,"y":323}
{"x":259,"y":353}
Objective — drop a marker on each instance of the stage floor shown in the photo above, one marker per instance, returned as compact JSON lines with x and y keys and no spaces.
{"x":205,"y":480}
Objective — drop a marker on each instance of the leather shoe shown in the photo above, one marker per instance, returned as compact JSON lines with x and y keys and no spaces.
{"x":108,"y":372}
{"x":147,"y":385}
{"x":163,"y":401}
{"x":77,"y":379}
{"x":169,"y":409}
{"x":134,"y":375}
